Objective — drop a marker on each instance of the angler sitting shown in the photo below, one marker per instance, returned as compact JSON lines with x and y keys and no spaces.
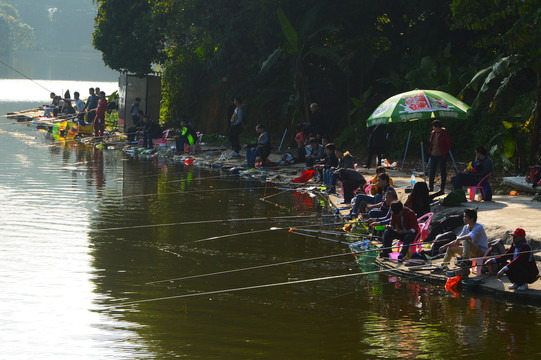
{"x":472,"y":242}
{"x":383,"y":184}
{"x":261,"y":148}
{"x":518,"y":262}
{"x":404,"y":226}
{"x":330,"y":176}
{"x":187,"y":135}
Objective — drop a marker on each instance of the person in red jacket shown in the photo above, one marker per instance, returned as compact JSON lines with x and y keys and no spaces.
{"x":99,"y":120}
{"x":404,"y":226}
{"x":440,"y":144}
{"x":521,"y":269}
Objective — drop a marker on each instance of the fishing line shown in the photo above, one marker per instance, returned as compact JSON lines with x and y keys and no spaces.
{"x":187,"y":192}
{"x":262,"y":286}
{"x":275,"y":218}
{"x":251,"y":232}
{"x":251,"y":268}
{"x":319,"y":237}
{"x":20,"y":73}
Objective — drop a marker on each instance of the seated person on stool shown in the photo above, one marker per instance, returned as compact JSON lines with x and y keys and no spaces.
{"x":188,"y":135}
{"x":471,"y":243}
{"x":404,"y":226}
{"x":479,"y":169}
{"x":383,"y":185}
{"x":518,"y":262}
{"x":261,"y":148}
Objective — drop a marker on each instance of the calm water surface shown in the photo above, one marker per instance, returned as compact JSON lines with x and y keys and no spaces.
{"x":74,"y":242}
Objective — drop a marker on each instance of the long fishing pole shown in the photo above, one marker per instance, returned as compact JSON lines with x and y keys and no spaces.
{"x":20,"y":73}
{"x":254,"y":287}
{"x":275,"y":218}
{"x":255,"y":231}
{"x":250,"y":268}
{"x":186,"y":192}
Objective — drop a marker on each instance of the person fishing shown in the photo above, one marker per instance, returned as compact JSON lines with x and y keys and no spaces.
{"x":518,"y":262}
{"x":187,"y":135}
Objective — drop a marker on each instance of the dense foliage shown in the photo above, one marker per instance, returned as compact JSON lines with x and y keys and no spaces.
{"x":348,"y":56}
{"x":14,"y":33}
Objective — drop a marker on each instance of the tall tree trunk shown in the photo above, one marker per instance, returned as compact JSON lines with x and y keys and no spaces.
{"x":534,"y":134}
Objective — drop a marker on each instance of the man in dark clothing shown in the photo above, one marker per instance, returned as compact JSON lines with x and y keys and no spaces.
{"x":317,"y":126}
{"x":151,"y":131}
{"x":471,"y":176}
{"x":376,"y":144}
{"x":518,"y":262}
{"x":91,"y":104}
{"x":351,"y":180}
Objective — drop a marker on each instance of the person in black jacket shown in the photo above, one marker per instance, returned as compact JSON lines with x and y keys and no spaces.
{"x":150,"y":130}
{"x":345,"y":161}
{"x":351,"y":180}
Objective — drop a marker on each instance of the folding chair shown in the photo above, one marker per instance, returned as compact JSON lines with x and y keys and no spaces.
{"x":417,"y":244}
{"x":192,"y":149}
{"x":483,"y":188}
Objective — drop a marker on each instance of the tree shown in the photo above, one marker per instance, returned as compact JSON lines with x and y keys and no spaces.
{"x":15,"y":34}
{"x":509,"y":28}
{"x":126,"y":35}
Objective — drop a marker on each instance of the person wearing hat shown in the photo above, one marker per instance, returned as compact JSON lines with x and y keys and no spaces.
{"x":518,"y":262}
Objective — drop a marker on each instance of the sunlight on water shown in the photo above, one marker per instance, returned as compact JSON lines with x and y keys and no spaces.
{"x":38,"y":90}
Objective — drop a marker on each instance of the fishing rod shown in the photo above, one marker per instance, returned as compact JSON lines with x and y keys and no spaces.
{"x":253,"y":287}
{"x":251,"y":232}
{"x":186,"y":192}
{"x":250,"y":268}
{"x":20,"y":73}
{"x":275,"y":218}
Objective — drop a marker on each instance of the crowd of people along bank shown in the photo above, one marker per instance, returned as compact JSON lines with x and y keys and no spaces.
{"x":376,"y":200}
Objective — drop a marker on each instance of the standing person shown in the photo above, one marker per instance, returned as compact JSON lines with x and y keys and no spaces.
{"x":79,"y":104}
{"x":134,"y":110}
{"x":99,"y":119}
{"x":440,"y":144}
{"x":478,"y":170}
{"x":404,"y":226}
{"x":518,"y":262}
{"x":316,"y":121}
{"x":262,"y":148}
{"x":471,"y":243}
{"x":376,"y":145}
{"x":300,"y":139}
{"x":236,"y":127}
{"x":91,"y":104}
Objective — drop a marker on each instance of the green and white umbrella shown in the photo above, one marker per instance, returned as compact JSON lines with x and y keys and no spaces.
{"x":417,"y":105}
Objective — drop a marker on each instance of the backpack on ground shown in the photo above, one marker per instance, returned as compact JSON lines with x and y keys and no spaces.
{"x":455,"y":197}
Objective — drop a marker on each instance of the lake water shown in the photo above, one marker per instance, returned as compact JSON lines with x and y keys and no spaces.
{"x":76,"y":240}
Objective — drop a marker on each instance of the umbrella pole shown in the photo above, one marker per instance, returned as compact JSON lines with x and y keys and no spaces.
{"x":422,"y":150}
{"x":405,"y":153}
{"x":423,"y":158}
{"x":454,"y":163}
